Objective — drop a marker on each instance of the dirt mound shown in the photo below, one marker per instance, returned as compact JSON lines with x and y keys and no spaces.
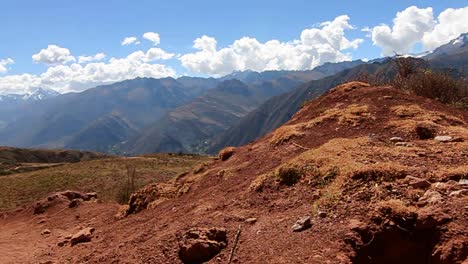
{"x":199,"y":245}
{"x":73,"y":199}
{"x":370,"y":197}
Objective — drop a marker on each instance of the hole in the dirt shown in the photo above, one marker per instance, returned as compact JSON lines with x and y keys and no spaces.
{"x":395,"y":245}
{"x":425,"y":132}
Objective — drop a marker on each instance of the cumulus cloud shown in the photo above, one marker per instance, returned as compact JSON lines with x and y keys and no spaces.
{"x":129,"y":40}
{"x":315,"y":47}
{"x":418,"y":25}
{"x":53,"y":54}
{"x":86,"y":59}
{"x":152,"y":54}
{"x":78,"y":77}
{"x":153,"y":37}
{"x":450,"y":24}
{"x":4,"y":63}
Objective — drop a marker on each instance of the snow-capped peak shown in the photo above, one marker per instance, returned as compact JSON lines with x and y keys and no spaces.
{"x":32,"y":94}
{"x":37,"y":94}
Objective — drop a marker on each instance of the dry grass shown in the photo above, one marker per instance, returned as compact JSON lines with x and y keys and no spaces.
{"x":226,"y":153}
{"x":349,"y":86}
{"x":352,"y":115}
{"x":286,"y":133}
{"x":337,"y":161}
{"x":105,"y":177}
{"x":412,"y":116}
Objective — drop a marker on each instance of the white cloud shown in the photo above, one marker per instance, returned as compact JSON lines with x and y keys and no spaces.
{"x":53,"y":54}
{"x":86,"y":59}
{"x":78,"y":77}
{"x":418,"y":25}
{"x":129,"y":40}
{"x":450,"y":24}
{"x":315,"y":47}
{"x":4,"y":63}
{"x":153,"y":37}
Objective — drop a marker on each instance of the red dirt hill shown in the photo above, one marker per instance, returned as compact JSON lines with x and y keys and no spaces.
{"x":367,"y":164}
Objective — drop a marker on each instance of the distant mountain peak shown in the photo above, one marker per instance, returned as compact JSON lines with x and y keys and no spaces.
{"x":32,"y":94}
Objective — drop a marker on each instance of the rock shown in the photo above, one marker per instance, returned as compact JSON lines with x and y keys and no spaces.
{"x":74,"y":203}
{"x":199,"y":245}
{"x":396,"y":139}
{"x":302,"y":224}
{"x":459,"y":193}
{"x":82,"y":236}
{"x":251,"y":220}
{"x":322,"y":214}
{"x":403,"y":144}
{"x":443,"y":138}
{"x":45,"y":232}
{"x":463,"y":182}
{"x":446,"y":187}
{"x":418,"y":183}
{"x":356,"y":225}
{"x":387,"y":97}
{"x":430,"y":197}
{"x":60,"y":198}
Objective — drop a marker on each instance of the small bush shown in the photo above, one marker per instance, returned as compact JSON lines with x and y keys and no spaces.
{"x":414,"y":77}
{"x":128,"y":187}
{"x":289,"y":175}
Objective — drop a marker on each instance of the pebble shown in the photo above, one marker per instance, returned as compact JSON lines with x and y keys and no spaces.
{"x":396,"y":139}
{"x":251,"y":221}
{"x":443,"y":138}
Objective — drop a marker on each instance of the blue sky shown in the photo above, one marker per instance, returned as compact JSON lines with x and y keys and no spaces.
{"x":89,"y":27}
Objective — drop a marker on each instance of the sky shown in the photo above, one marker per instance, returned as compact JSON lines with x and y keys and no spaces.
{"x":75,"y":45}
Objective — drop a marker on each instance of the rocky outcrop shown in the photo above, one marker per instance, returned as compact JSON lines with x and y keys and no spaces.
{"x":70,"y":197}
{"x":199,"y":245}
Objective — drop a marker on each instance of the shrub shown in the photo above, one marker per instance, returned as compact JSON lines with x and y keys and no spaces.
{"x":414,"y":77}
{"x":128,"y":187}
{"x":289,"y":175}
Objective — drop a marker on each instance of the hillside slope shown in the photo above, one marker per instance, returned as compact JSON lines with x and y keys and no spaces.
{"x":14,"y":160}
{"x":371,"y":197}
{"x":192,"y":126}
{"x":142,"y":101}
{"x":277,"y":110}
{"x":102,"y":134}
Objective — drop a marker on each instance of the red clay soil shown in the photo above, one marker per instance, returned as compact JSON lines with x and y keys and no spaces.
{"x":370,"y":200}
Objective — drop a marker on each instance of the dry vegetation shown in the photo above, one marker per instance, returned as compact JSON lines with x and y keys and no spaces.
{"x":353,"y":115}
{"x":111,"y":178}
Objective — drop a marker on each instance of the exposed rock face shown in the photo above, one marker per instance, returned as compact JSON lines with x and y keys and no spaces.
{"x":82,"y":236}
{"x":199,"y":245}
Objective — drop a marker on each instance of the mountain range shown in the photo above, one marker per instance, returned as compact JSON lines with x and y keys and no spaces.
{"x":187,"y":114}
